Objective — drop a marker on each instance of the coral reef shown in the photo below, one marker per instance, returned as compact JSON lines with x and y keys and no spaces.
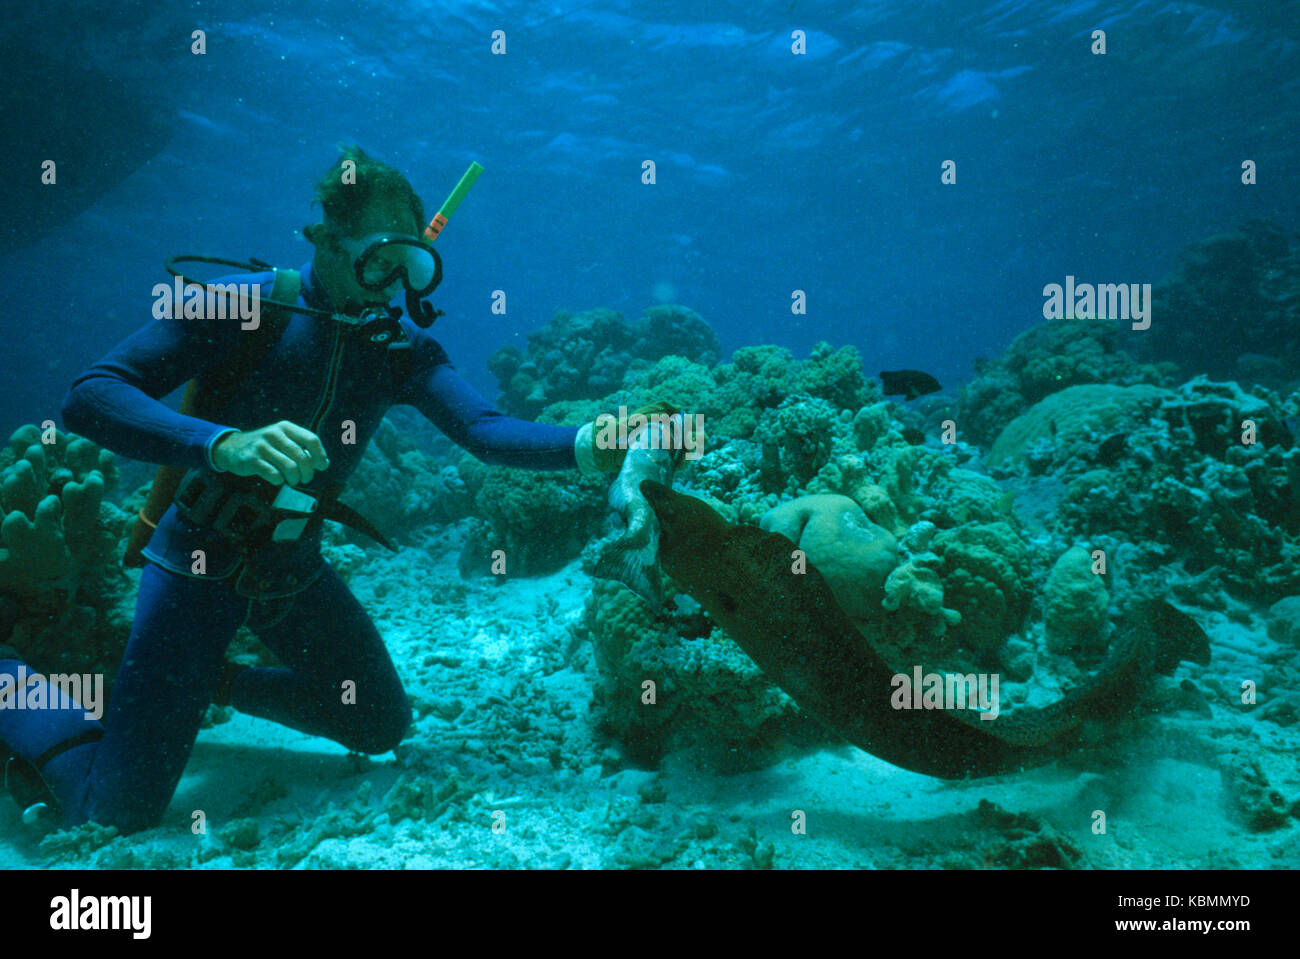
{"x":915,"y":585}
{"x":1230,"y":295}
{"x":796,"y":441}
{"x":985,"y":572}
{"x":401,"y":488}
{"x":709,"y":698}
{"x":1196,"y":488}
{"x":588,"y":354}
{"x":541,"y":520}
{"x":1045,"y":359}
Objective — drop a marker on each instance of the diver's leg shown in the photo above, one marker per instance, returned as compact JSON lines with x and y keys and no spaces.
{"x":172,"y":662}
{"x":340,"y":683}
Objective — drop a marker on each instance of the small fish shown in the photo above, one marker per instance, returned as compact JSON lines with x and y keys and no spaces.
{"x":908,"y":383}
{"x":1112,"y":448}
{"x":913,"y":436}
{"x":633,"y":559}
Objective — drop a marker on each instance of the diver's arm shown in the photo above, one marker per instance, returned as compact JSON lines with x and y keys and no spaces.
{"x":456,"y":408}
{"x":116,"y":401}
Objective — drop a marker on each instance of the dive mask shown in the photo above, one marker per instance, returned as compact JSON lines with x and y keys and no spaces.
{"x":382,"y":259}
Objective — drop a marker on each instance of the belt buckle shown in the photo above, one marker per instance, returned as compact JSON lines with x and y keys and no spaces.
{"x":294,"y":501}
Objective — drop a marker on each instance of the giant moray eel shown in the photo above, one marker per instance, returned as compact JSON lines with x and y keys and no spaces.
{"x":792,"y":627}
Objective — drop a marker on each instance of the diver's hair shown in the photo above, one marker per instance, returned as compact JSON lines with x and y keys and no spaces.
{"x":370,"y":184}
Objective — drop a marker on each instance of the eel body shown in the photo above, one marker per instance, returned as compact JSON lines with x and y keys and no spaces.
{"x":791,"y":626}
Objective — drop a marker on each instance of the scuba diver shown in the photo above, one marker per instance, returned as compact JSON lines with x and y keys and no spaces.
{"x":280,"y":418}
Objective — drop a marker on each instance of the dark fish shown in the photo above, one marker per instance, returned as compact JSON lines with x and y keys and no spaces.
{"x":908,"y":383}
{"x":796,"y":632}
{"x":1112,"y":448}
{"x":913,"y":436}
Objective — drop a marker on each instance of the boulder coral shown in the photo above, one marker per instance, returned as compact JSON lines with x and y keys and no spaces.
{"x":1074,"y":421}
{"x":854,"y":554}
{"x":1075,"y":603}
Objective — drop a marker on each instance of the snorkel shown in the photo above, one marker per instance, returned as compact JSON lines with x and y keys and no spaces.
{"x":449,"y":205}
{"x":420,"y":312}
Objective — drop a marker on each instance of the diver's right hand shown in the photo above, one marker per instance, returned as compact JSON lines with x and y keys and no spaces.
{"x":283,"y":452}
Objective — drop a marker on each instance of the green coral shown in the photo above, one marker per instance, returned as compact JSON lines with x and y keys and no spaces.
{"x":833,"y":375}
{"x":985,"y":571}
{"x":710,"y":700}
{"x":541,"y":519}
{"x":55,"y":519}
{"x":687,"y":385}
{"x":902,"y":470}
{"x":916,"y":586}
{"x":870,"y":424}
{"x":63,"y":600}
{"x":797,"y":438}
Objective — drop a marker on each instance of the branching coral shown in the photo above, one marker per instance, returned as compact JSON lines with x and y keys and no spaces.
{"x":62,"y":596}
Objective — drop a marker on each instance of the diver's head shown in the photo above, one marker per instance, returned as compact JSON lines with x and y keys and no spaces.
{"x":368,"y":245}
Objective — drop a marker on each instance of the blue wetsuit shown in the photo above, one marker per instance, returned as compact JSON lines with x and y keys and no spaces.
{"x":320,"y":375}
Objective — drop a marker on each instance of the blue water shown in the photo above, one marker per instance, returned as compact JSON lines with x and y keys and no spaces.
{"x":776,"y":172}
